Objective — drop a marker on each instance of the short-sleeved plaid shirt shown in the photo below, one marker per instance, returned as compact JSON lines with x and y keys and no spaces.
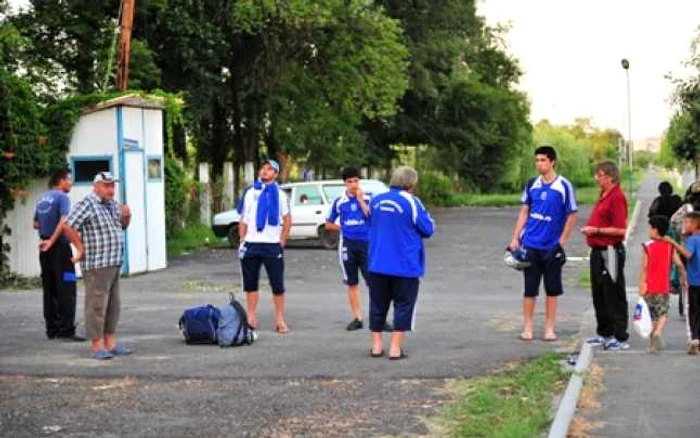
{"x":100,"y":225}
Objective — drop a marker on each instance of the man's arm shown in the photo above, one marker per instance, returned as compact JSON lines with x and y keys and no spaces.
{"x":333,"y":216}
{"x":643,"y":275}
{"x":242,"y":231}
{"x":361,"y":200}
{"x":332,"y":226}
{"x":682,"y":250}
{"x":286,"y":226}
{"x":519,"y":225}
{"x":76,"y":240}
{"x":47,"y":244}
{"x":125,"y":216}
{"x":568,"y":228}
{"x":681,"y":269}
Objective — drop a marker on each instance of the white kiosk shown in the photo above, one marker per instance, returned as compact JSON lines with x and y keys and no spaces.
{"x":125,"y":137}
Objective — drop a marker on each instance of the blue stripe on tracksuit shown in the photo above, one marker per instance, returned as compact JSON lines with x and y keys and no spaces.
{"x":399,"y":224}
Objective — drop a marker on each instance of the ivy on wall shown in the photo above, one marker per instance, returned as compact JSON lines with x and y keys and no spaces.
{"x":34,"y":140}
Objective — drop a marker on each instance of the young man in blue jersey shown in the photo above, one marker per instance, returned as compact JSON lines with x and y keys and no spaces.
{"x":353,"y":211}
{"x":546,"y":219}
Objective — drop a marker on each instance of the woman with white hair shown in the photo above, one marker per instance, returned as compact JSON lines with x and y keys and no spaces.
{"x":399,"y":223}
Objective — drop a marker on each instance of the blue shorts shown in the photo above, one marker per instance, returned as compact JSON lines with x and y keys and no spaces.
{"x":547,"y":264}
{"x":385,"y":289}
{"x":253,"y":257}
{"x":353,"y":260}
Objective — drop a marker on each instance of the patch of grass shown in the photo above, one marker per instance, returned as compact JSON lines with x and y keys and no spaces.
{"x":19,"y":282}
{"x":191,"y":239}
{"x":516,"y":403}
{"x":584,"y":195}
{"x":584,"y":279}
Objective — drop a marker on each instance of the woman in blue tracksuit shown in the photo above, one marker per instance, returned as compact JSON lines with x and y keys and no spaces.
{"x":398,"y":225}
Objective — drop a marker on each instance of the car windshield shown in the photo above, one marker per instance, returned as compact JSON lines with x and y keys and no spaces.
{"x":332,"y":191}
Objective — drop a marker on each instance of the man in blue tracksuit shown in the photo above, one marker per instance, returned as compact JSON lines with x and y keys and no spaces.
{"x":396,"y":259}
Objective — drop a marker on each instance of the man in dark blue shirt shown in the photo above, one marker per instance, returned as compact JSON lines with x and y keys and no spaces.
{"x":546,"y":219}
{"x":57,"y":269}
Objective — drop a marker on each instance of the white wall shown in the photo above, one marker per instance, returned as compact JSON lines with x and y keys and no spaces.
{"x":155,"y":219}
{"x":94,"y":135}
{"x":24,"y":241}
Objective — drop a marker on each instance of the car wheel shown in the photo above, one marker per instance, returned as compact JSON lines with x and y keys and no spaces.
{"x":329,"y":239}
{"x":233,"y":238}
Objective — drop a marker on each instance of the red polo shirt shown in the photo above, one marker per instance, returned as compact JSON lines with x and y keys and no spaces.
{"x":610,"y":211}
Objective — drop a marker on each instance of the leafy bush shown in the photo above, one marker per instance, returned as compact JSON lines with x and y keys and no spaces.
{"x":177,"y":196}
{"x":434,"y":188}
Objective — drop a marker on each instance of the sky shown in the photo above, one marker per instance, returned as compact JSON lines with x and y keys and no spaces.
{"x":570,"y":52}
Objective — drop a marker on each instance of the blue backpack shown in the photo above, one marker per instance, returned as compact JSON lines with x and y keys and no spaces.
{"x":199,"y":324}
{"x":233,"y":329}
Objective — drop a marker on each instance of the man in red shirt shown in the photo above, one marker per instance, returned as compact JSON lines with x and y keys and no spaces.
{"x":605,"y":233}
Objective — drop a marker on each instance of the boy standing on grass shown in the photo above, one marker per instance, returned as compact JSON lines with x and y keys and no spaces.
{"x":691,"y":252}
{"x":654,"y":279}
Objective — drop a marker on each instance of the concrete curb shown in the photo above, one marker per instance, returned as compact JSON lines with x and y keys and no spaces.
{"x":635,"y":218}
{"x":569,"y":401}
{"x":567,"y":406}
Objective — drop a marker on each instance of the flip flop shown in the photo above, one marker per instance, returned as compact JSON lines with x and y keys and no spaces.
{"x":282,"y":330}
{"x":373,"y":354}
{"x":550,"y":338}
{"x":403,"y":355}
{"x":525,"y":338}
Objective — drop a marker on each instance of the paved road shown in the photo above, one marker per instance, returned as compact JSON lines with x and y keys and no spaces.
{"x":646,"y":395}
{"x":316,"y":381}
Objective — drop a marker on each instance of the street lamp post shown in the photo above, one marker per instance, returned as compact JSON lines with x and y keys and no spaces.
{"x":630,"y":146}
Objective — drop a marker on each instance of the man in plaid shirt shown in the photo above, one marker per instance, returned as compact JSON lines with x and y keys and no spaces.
{"x":96,"y":228}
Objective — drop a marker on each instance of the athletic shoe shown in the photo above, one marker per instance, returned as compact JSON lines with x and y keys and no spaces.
{"x":596,"y":341}
{"x":102,"y":355}
{"x":120,"y":350}
{"x":615,"y":345}
{"x":693,"y":347}
{"x":657,"y":342}
{"x":355,"y":324}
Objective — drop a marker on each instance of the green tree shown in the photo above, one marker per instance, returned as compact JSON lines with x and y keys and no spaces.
{"x":461,"y":98}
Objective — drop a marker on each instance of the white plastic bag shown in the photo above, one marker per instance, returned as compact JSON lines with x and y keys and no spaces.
{"x":642,"y":319}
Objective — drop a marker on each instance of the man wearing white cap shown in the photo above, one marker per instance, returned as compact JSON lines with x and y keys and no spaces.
{"x":96,"y":228}
{"x":264,"y":228}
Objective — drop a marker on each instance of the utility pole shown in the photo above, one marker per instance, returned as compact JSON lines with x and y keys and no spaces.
{"x":125,"y":45}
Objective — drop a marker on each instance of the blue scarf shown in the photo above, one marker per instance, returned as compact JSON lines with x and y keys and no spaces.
{"x":268,"y":205}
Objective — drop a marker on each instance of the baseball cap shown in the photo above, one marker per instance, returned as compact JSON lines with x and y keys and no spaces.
{"x":105,"y":177}
{"x":275,"y":165}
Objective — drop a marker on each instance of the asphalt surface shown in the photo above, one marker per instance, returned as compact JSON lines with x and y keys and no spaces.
{"x":647,"y":395}
{"x":316,"y":381}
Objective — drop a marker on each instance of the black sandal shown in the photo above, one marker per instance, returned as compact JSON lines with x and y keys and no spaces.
{"x":373,"y":354}
{"x":403,"y":355}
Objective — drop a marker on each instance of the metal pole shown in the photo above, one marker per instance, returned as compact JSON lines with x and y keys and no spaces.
{"x":630,"y":145}
{"x":629,"y":120}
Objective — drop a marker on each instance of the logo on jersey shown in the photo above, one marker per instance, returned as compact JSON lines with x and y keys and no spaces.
{"x":353,"y":207}
{"x":543,"y":196}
